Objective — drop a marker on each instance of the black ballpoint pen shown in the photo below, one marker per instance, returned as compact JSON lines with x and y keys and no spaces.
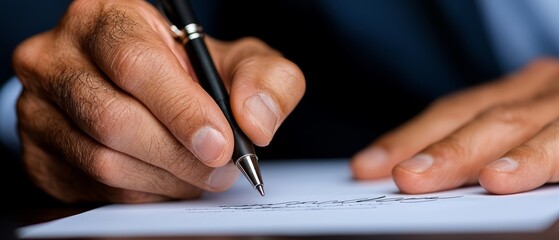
{"x":189,"y":32}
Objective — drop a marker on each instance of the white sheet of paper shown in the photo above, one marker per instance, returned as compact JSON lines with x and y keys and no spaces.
{"x":314,"y":197}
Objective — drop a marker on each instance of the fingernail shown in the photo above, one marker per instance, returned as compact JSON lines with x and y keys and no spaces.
{"x":208,"y":144}
{"x":418,"y":164}
{"x":264,"y":112}
{"x":504,"y":165}
{"x":371,"y":158}
{"x":223,"y":177}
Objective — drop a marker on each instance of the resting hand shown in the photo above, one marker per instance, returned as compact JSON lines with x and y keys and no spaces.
{"x":111,"y":111}
{"x":503,"y":134}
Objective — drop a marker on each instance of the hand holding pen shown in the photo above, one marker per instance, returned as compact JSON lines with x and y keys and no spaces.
{"x":189,"y":32}
{"x":111,"y":105}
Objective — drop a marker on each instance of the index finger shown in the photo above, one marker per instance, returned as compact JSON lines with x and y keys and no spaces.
{"x":127,"y":45}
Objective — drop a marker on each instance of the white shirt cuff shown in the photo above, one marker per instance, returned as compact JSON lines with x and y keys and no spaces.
{"x":9,"y":94}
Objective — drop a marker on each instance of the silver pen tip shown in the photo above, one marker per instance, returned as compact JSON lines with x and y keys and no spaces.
{"x":260,"y":189}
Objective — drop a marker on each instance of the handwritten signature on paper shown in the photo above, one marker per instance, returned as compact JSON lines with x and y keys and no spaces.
{"x":357,"y":203}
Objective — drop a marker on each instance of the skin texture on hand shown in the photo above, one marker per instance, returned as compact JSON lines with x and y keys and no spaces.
{"x":111,"y":110}
{"x":502,"y":135}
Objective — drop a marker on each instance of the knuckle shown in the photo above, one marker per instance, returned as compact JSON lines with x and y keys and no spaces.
{"x":530,"y":151}
{"x":501,"y":113}
{"x":184,"y":109}
{"x":32,"y":115}
{"x":173,"y":156}
{"x":450,"y":148}
{"x":543,"y":156}
{"x":70,"y":88}
{"x":25,"y":58}
{"x":139,"y":55}
{"x":79,"y":93}
{"x":91,"y":105}
{"x":79,"y":18}
{"x":188,"y":172}
{"x":24,"y":55}
{"x":515,"y":117}
{"x":100,"y":167}
{"x":25,"y":107}
{"x":80,"y":7}
{"x":27,"y":115}
{"x":111,"y":27}
{"x":176,"y":163}
{"x":182,"y":166}
{"x":195,"y":173}
{"x":111,"y":120}
{"x":62,"y":85}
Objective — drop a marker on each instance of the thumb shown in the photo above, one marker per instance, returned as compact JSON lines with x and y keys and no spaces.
{"x":264,"y":87}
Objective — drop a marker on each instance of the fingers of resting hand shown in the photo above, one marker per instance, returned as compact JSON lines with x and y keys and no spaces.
{"x":446,"y":115}
{"x":525,"y":167}
{"x":456,"y":160}
{"x":264,"y":86}
{"x":441,"y":118}
{"x":138,"y":60}
{"x":43,"y":125}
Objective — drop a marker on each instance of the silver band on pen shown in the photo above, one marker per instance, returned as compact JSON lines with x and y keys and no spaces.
{"x":189,"y":32}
